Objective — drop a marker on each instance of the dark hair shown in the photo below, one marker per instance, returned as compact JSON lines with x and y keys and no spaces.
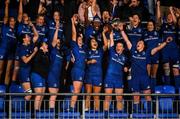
{"x":21,"y":37}
{"x":135,"y":13}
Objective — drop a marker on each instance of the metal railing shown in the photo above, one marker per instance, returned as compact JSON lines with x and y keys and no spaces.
{"x":13,"y":106}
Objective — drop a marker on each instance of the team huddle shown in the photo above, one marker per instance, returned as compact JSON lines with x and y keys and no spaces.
{"x":101,"y":54}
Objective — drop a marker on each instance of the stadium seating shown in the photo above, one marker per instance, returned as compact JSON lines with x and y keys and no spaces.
{"x":19,"y":105}
{"x":166,"y":102}
{"x":2,"y":102}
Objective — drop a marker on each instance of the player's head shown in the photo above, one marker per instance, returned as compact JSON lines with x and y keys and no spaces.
{"x":44,"y":45}
{"x":25,"y":38}
{"x":150,"y":25}
{"x":169,"y":18}
{"x":80,"y":40}
{"x":25,"y":18}
{"x":135,"y":19}
{"x":93,"y":44}
{"x":119,"y":47}
{"x":56,"y":15}
{"x":140,"y":46}
{"x":40,"y":20}
{"x":12,"y":22}
{"x":96,"y":23}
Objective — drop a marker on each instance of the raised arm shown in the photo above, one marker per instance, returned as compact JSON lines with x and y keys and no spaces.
{"x":111,"y":44}
{"x":27,"y":59}
{"x":74,"y":34}
{"x":105,"y":30}
{"x":55,"y":38}
{"x":36,"y":35}
{"x":158,"y":13}
{"x":161,"y":46}
{"x":173,"y":15}
{"x":6,"y":16}
{"x":41,"y":9}
{"x":20,"y":12}
{"x":125,"y":37}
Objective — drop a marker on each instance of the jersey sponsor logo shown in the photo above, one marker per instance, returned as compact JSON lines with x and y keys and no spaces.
{"x":11,"y":35}
{"x":173,"y":32}
{"x":139,"y":57}
{"x":118,"y":61}
{"x":150,"y":38}
{"x":59,"y":56}
{"x":81,"y":51}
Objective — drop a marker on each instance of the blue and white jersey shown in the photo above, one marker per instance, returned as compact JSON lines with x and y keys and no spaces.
{"x":169,"y":30}
{"x":138,"y":63}
{"x":116,"y":62}
{"x":9,"y":40}
{"x":52,"y":29}
{"x":42,"y":31}
{"x":25,"y":51}
{"x":79,"y":55}
{"x":152,"y":39}
{"x":134,"y":34}
{"x":90,"y":32}
{"x":24,"y":29}
{"x":116,"y":35}
{"x":96,"y":55}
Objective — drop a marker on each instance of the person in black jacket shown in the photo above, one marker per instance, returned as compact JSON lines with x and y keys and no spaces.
{"x":39,"y":74}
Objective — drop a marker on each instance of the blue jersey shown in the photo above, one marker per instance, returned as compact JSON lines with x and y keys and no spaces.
{"x":25,"y":51}
{"x":116,"y":35}
{"x":96,"y":55}
{"x":90,"y":32}
{"x":79,"y":54}
{"x":116,"y":63}
{"x":168,"y":30}
{"x":134,"y":35}
{"x":24,"y":29}
{"x":42,"y":31}
{"x":151,"y":38}
{"x":52,"y":29}
{"x":138,"y":63}
{"x":8,"y":42}
{"x":178,"y":34}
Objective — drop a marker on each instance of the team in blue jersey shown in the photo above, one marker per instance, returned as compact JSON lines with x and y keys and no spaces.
{"x":101,"y":54}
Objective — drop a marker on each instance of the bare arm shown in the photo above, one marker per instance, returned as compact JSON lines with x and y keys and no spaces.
{"x":111,"y":44}
{"x":105,"y":29}
{"x":54,"y":42}
{"x":27,"y":59}
{"x":125,"y":37}
{"x":20,"y":12}
{"x":173,"y":15}
{"x":6,"y":11}
{"x":74,"y":34}
{"x":36,"y":35}
{"x":161,"y":46}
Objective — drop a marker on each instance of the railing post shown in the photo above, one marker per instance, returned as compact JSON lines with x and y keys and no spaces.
{"x":83,"y":107}
{"x":157,"y":107}
{"x":10,"y":107}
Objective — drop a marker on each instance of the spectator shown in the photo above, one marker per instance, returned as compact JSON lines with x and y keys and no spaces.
{"x":114,"y":8}
{"x":124,"y":14}
{"x":136,"y":7}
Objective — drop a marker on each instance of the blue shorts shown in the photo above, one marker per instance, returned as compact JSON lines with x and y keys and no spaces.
{"x":93,"y":79}
{"x":2,"y":54}
{"x":37,"y":81}
{"x":152,"y":59}
{"x":54,"y":75}
{"x":170,"y":55}
{"x":17,"y":53}
{"x":140,"y":83}
{"x":113,"y":81}
{"x":24,"y":74}
{"x":77,"y":74}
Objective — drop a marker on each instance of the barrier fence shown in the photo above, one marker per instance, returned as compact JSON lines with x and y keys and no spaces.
{"x":165,"y":106}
